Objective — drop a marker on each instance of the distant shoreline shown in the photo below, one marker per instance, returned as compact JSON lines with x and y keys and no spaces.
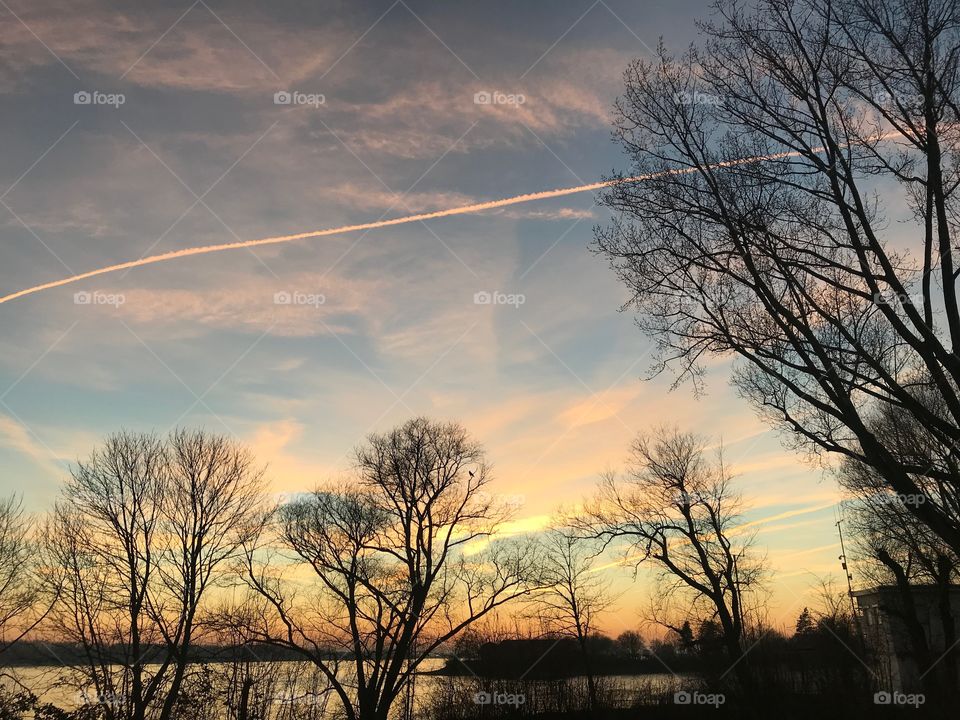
{"x":607,"y":672}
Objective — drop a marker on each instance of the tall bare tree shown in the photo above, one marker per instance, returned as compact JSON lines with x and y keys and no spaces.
{"x":135,"y":543}
{"x":677,"y":508}
{"x":209,"y":512}
{"x":760,"y":234}
{"x":575,"y":595}
{"x":20,"y":601}
{"x":396,"y":563}
{"x":102,"y":540}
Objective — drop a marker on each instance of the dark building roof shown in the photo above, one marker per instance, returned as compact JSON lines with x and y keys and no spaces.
{"x":888,"y":589}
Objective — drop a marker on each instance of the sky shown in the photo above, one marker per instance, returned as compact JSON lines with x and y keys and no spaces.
{"x":132,"y":130}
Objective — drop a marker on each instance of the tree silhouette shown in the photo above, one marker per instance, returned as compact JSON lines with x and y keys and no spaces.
{"x":805,"y":624}
{"x":790,"y":262}
{"x":395,"y":561}
{"x":574,"y":595}
{"x":142,"y":530}
{"x":677,"y":509}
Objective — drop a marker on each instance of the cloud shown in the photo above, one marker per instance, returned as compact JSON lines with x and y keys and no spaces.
{"x":299,"y":305}
{"x":194,"y":52}
{"x":18,"y":438}
{"x":511,"y":528}
{"x":600,"y":406}
{"x":276,"y":444}
{"x":433,"y":117}
{"x":372,"y":197}
{"x":557,"y":214}
{"x":785,"y":515}
{"x":371,"y":101}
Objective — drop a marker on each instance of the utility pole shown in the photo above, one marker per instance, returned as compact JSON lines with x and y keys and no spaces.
{"x":843,"y":563}
{"x":846,"y":571}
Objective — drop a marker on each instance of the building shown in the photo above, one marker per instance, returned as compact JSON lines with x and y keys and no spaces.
{"x":889,"y":626}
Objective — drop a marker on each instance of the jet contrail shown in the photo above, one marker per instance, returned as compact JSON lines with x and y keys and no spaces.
{"x":462,"y":210}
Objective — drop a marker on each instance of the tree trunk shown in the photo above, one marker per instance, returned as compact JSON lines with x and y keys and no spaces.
{"x":948,"y":623}
{"x":588,"y":671}
{"x":242,"y":711}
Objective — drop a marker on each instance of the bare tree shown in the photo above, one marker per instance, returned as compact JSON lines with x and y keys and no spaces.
{"x":679,"y":510}
{"x":395,"y":560}
{"x":208,"y":513}
{"x":576,"y":594}
{"x":102,"y":538}
{"x":135,"y":543}
{"x":20,"y":599}
{"x":760,"y":234}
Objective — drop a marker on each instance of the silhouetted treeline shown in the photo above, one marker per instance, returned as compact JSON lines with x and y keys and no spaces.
{"x":34,"y":653}
{"x":813,"y":672}
{"x":552,"y":658}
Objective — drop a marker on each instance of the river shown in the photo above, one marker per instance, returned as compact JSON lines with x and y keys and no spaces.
{"x":283,"y":684}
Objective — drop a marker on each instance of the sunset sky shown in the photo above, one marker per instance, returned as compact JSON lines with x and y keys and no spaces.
{"x":200,"y":153}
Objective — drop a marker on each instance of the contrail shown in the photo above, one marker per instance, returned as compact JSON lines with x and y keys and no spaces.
{"x":462,"y":210}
